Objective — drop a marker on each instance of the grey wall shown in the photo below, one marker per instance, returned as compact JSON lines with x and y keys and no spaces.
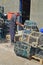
{"x":10,"y":5}
{"x":36,"y":13}
{"x":36,"y":10}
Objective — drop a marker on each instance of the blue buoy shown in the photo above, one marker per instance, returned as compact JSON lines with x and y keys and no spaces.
{"x":41,"y":30}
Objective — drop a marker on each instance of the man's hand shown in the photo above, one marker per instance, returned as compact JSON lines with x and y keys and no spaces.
{"x":18,"y":23}
{"x":23,"y":26}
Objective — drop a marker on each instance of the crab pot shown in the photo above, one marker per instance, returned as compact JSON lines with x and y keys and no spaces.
{"x":23,"y":49}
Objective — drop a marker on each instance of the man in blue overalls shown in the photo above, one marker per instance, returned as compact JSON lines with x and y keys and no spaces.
{"x":13,"y":26}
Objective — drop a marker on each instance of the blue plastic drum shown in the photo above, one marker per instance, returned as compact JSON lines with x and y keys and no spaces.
{"x":41,"y":30}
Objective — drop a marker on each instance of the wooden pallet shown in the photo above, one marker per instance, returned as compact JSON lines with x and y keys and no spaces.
{"x":37,"y":58}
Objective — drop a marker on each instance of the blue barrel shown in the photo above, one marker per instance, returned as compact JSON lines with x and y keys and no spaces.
{"x":41,"y":30}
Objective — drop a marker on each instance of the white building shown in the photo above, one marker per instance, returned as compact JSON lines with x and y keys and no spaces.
{"x":36,"y":9}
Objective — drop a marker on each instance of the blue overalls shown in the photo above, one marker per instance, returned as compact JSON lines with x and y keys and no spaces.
{"x":13,"y":27}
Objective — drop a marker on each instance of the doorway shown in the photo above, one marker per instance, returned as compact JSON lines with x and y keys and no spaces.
{"x":25,"y":9}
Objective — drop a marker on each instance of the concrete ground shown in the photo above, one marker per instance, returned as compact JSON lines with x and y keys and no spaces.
{"x":8,"y":56}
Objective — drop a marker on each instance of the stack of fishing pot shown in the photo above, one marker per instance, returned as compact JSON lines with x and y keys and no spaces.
{"x":39,"y":50}
{"x":31,"y":25}
{"x":23,"y":49}
{"x":34,"y":39}
{"x":1,"y":9}
{"x":25,"y":35}
{"x":1,"y":33}
{"x":1,"y":28}
{"x":7,"y":26}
